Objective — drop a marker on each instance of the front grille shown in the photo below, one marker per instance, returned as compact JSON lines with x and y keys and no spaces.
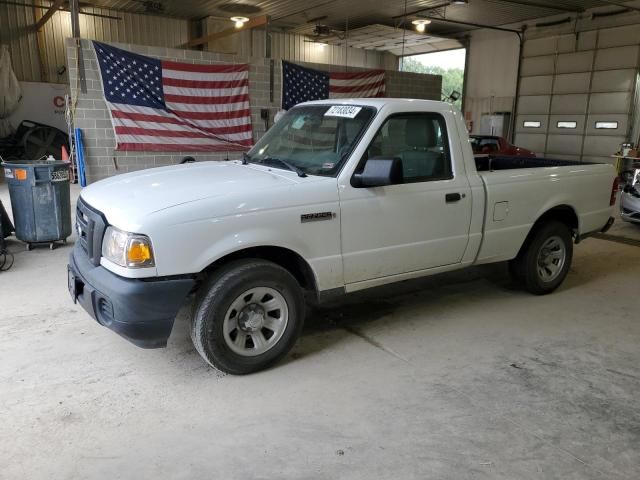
{"x":90,"y":226}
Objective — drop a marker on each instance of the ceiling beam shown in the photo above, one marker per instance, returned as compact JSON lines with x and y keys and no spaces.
{"x":425,"y":9}
{"x":534,"y":4}
{"x":619,"y":4}
{"x":252,"y":23}
{"x":55,"y":6}
{"x":469,"y":24}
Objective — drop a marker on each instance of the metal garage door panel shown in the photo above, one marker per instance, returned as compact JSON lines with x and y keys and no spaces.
{"x":613,"y":81}
{"x":538,"y":119}
{"x":564,"y":145}
{"x":574,"y":62}
{"x":572,"y":83}
{"x":534,"y":104}
{"x":570,"y":104}
{"x":616,"y":37}
{"x":554,"y":128}
{"x":536,"y":85}
{"x":540,"y":46}
{"x":567,"y":43}
{"x":617,"y":58}
{"x":537,"y":66}
{"x":587,"y":40}
{"x":618,"y":102}
{"x":600,"y":146}
{"x":622,"y":120}
{"x":532,"y":142}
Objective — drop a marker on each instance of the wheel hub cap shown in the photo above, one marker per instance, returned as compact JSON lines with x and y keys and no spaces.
{"x":551,"y":259}
{"x":251,"y":318}
{"x":255,"y":321}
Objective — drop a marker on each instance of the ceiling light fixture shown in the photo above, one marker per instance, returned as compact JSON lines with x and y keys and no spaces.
{"x":421,"y":24}
{"x":239,"y":21}
{"x":459,"y":2}
{"x":322,"y":44}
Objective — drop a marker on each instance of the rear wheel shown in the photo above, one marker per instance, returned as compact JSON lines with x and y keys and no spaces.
{"x":545,"y":259}
{"x":247,"y":316}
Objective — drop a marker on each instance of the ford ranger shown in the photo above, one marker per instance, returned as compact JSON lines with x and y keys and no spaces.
{"x":338,"y":196}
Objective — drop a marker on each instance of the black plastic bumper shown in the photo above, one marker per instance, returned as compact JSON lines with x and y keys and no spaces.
{"x":142,"y":311}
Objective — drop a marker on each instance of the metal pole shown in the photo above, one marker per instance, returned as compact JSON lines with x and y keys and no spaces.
{"x":75,"y":32}
{"x":514,"y":114}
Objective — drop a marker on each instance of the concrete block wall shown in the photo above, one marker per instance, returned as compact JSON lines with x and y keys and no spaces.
{"x":91,"y":115}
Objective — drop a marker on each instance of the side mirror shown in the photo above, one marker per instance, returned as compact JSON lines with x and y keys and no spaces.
{"x":379,"y":172}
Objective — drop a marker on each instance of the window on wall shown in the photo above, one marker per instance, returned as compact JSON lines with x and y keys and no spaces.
{"x":606,"y":125}
{"x":449,"y":65}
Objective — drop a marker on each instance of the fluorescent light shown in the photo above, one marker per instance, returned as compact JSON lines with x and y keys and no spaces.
{"x":531,"y":124}
{"x":322,"y":44}
{"x":567,"y":124}
{"x":239,"y":21}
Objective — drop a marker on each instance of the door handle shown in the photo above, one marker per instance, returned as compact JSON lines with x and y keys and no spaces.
{"x":452,"y":197}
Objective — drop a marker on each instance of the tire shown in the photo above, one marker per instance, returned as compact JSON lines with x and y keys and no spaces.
{"x":545,"y":258}
{"x":248,"y":287}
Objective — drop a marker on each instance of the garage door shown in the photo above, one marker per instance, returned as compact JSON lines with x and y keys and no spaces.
{"x":576,"y":93}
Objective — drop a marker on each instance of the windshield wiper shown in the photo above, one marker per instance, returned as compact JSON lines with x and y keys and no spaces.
{"x":288,"y":165}
{"x":245,"y":158}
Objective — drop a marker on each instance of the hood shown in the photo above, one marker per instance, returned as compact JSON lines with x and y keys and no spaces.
{"x":125,"y":198}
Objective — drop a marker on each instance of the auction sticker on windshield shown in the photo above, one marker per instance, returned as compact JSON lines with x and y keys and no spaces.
{"x":348,"y":111}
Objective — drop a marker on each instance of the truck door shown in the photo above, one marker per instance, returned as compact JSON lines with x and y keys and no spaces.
{"x":418,"y":224}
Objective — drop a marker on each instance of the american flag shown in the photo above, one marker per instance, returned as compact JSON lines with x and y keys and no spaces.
{"x":164,"y":106}
{"x":302,"y":84}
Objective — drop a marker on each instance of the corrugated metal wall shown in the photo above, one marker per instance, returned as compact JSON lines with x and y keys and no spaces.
{"x":298,"y":47}
{"x":16,"y":30}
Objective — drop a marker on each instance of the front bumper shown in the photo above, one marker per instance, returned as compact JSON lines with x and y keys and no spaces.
{"x":142,"y":311}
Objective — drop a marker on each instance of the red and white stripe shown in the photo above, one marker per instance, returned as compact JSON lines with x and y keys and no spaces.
{"x":207,"y":111}
{"x":361,"y":84}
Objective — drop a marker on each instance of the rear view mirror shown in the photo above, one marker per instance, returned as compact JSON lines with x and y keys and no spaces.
{"x":379,"y":172}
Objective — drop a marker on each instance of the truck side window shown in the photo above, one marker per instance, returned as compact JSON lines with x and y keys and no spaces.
{"x":419,"y":141}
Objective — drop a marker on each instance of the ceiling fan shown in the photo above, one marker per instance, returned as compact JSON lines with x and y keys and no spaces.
{"x":322,"y":32}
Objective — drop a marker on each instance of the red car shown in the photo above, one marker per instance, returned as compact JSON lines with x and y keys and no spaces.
{"x":490,"y":145}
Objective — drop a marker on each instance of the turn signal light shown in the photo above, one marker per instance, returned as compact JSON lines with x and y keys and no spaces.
{"x":138,"y":252}
{"x":20,"y":173}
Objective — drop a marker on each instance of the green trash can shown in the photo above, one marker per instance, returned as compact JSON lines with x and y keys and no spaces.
{"x":40,"y":200}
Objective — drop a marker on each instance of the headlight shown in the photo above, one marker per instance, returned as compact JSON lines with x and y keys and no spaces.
{"x":127,"y":249}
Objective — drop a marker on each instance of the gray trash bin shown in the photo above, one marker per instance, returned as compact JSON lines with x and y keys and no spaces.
{"x":40,"y":200}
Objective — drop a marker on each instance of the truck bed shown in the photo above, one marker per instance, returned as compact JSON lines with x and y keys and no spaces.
{"x":490,"y":163}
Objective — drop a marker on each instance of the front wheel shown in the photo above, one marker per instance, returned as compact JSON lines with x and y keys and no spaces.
{"x":247,"y":316}
{"x":545,"y":259}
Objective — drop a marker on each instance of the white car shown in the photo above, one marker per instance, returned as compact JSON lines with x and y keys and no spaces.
{"x":630,"y":197}
{"x":338,"y":196}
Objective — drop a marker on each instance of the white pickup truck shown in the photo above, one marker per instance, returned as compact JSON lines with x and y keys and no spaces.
{"x":338,"y":196}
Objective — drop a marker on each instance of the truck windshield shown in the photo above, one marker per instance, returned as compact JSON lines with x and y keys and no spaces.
{"x":316,"y":139}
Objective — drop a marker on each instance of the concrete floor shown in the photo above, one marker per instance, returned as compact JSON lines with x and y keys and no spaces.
{"x":455,"y":377}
